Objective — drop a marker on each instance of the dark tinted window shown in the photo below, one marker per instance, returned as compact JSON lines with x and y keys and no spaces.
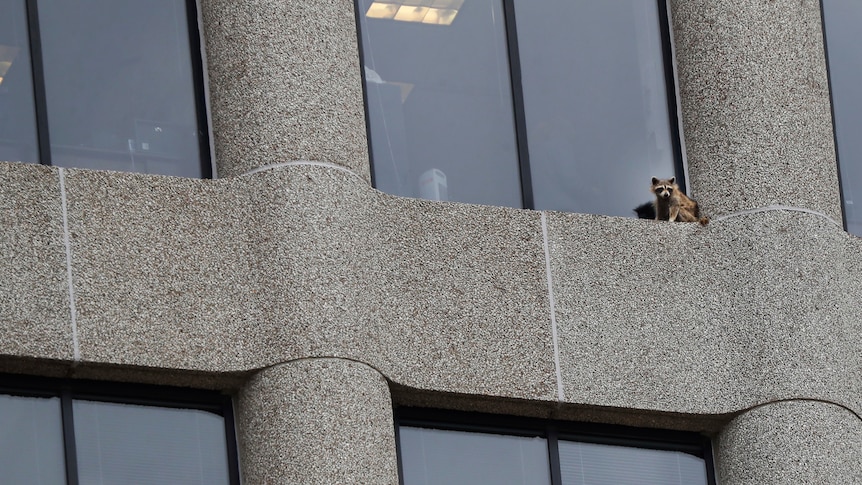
{"x":117,"y":86}
{"x":54,"y":432}
{"x":545,"y":104}
{"x":466,"y":448}
{"x":842,"y":19}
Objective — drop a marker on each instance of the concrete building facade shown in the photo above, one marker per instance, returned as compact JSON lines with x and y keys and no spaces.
{"x":321,"y":304}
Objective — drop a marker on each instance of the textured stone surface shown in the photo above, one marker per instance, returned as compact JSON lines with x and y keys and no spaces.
{"x":317,"y":421}
{"x":668,"y":317}
{"x":237,"y":274}
{"x":35,"y":320}
{"x":284,"y":83}
{"x":755,"y":104}
{"x":791,"y":442}
{"x":228,"y":276}
{"x":161,"y":270}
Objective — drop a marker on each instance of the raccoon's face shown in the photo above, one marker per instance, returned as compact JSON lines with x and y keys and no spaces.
{"x":663,"y":189}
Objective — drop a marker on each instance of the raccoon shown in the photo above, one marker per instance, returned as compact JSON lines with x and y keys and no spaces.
{"x":672,"y":205}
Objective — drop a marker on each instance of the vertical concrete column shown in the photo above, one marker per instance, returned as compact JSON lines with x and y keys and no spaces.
{"x":284,"y":83}
{"x":755,"y":104}
{"x":317,"y":421}
{"x":791,"y":442}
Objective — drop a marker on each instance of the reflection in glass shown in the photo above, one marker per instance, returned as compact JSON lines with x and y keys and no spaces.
{"x":31,"y":441}
{"x":843,"y":38}
{"x":119,"y":85}
{"x":596,"y":103}
{"x":121,"y":443}
{"x":439,"y":101}
{"x":17,"y":108}
{"x":595,"y":464}
{"x":435,"y":456}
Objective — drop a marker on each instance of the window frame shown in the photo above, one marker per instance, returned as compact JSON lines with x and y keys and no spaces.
{"x":553,"y":431}
{"x":68,"y":390}
{"x":835,"y":142}
{"x":518,"y":107}
{"x":200,"y":87}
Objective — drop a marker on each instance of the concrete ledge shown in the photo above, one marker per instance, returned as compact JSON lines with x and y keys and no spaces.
{"x":233,"y":275}
{"x":680,"y":317}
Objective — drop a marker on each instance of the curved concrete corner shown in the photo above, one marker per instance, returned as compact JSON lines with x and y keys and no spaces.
{"x":277,"y":95}
{"x":340,"y":412}
{"x":755,"y":104}
{"x":791,"y":442}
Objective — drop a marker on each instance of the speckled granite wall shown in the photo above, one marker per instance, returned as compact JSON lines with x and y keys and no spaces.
{"x":752,"y":308}
{"x":284,"y":83}
{"x":34,"y":291}
{"x":791,"y":442}
{"x":238,"y":274}
{"x":755,"y":104}
{"x":563,"y":312}
{"x":317,"y":421}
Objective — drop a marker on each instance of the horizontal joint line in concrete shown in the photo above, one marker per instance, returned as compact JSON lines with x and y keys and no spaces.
{"x":771,"y":208}
{"x":803,"y":399}
{"x":274,"y":166}
{"x":76,"y":350}
{"x":560,"y":394}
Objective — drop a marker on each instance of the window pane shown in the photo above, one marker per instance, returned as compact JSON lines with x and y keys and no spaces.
{"x":121,"y":443}
{"x":594,"y":464}
{"x":596,"y":105}
{"x":439,"y":100}
{"x":843,"y":38}
{"x":17,"y":109}
{"x":434,"y":456}
{"x":31,"y":441}
{"x":119,"y":85}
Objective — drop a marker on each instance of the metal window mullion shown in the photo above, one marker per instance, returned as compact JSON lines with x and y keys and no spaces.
{"x":198,"y":66}
{"x":232,"y":441}
{"x":554,"y":456}
{"x":520,"y":116}
{"x":39,"y":93}
{"x":672,"y":93}
{"x":69,"y":448}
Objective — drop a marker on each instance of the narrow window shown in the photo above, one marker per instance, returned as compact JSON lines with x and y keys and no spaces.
{"x":841,"y":24}
{"x":18,"y":134}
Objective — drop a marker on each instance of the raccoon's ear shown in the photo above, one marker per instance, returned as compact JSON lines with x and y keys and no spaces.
{"x":672,"y":179}
{"x":654,"y":180}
